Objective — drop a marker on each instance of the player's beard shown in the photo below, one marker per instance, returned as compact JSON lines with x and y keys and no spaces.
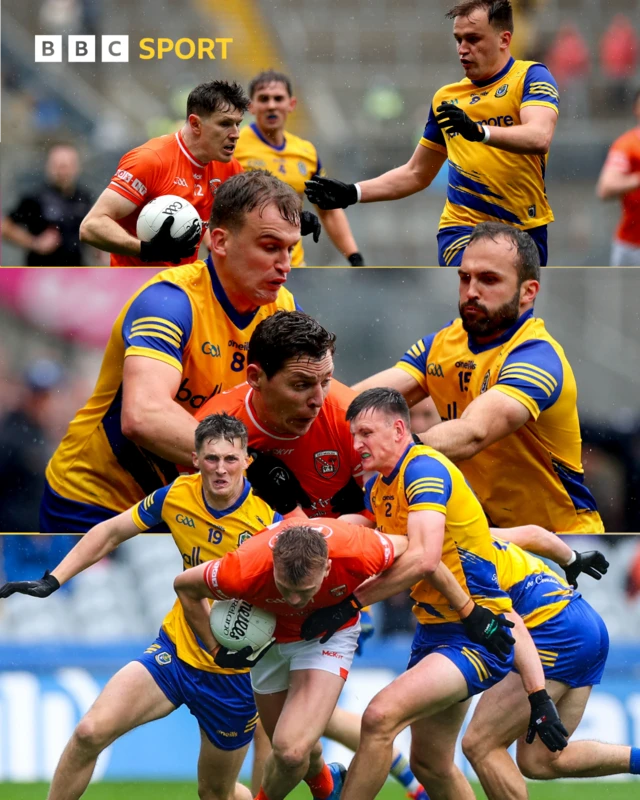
{"x":493,"y":322}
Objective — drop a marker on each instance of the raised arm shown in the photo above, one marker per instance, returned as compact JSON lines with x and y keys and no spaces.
{"x":394,"y":378}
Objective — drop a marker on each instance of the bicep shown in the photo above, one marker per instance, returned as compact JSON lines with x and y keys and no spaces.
{"x":148,"y":382}
{"x":425,"y":530}
{"x":192,"y":582}
{"x":425,"y":163}
{"x":495,"y":415}
{"x":394,"y":378}
{"x":540,"y":117}
{"x":113,"y":205}
{"x":399,"y":543}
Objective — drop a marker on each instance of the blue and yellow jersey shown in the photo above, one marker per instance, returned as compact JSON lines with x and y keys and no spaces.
{"x":295,"y":162}
{"x":424,"y":479}
{"x":201,"y":534}
{"x":535,"y":474}
{"x":182,"y":317}
{"x":537,"y":592}
{"x":486,"y":183}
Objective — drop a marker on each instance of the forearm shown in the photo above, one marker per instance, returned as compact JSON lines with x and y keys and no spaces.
{"x":337,"y":227}
{"x":107,"y":234}
{"x":197,"y":610}
{"x":537,"y":540}
{"x":457,"y":439}
{"x":522,"y":139}
{"x":444,"y":581}
{"x":393,"y":185}
{"x":16,"y":234}
{"x":404,"y":573}
{"x":614,"y":185}
{"x":526,"y":658}
{"x":91,"y":548}
{"x":165,"y":429}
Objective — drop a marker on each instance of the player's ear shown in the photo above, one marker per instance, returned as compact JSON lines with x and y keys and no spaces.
{"x":505,"y":39}
{"x":528,"y":291}
{"x":328,"y":568}
{"x":219,"y":240}
{"x":252,"y":108}
{"x":195,"y":460}
{"x":255,"y":376}
{"x":195,"y":123}
{"x":293,"y":102}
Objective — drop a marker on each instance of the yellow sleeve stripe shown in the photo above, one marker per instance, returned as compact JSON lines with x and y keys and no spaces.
{"x":150,"y":330}
{"x":433,"y":146}
{"x":529,"y":379}
{"x":522,"y":397}
{"x":155,"y":335}
{"x":433,"y":479}
{"x":429,"y":507}
{"x":137,"y":521}
{"x":161,"y":321}
{"x":543,"y":86}
{"x":548,"y":652}
{"x":148,"y":501}
{"x":539,"y":103}
{"x":147,"y":352}
{"x":420,"y":377}
{"x":427,"y":488}
{"x":450,"y":252}
{"x":417,"y":348}
{"x":540,"y":373}
{"x":530,"y":371}
{"x":478,"y":663}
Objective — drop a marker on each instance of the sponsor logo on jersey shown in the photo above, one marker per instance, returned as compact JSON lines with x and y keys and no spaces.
{"x":185,"y":395}
{"x":497,"y":121}
{"x":281,"y":451}
{"x":197,"y":176}
{"x":244,"y":537}
{"x":302,"y":168}
{"x":465,"y":364}
{"x":212,"y":350}
{"x":339,"y":590}
{"x":192,"y":560}
{"x":213,"y":185}
{"x":238,"y":345}
{"x":123,"y":175}
{"x":475,"y":98}
{"x":435,"y":370}
{"x":327,"y":463}
{"x":228,"y":734}
{"x":184,"y":520}
{"x":163,"y":658}
{"x":275,"y":600}
{"x":485,"y":382}
{"x":502,"y":90}
{"x":180,"y":182}
{"x":531,"y":211}
{"x":332,"y":654}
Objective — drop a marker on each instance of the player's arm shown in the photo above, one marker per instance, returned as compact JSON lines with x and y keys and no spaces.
{"x":150,"y":416}
{"x":97,"y":543}
{"x":616,"y":178}
{"x":532,"y":137}
{"x":193,"y":591}
{"x":394,"y":378}
{"x":526,"y":658}
{"x":337,"y":227}
{"x":489,"y":418}
{"x":101,"y":229}
{"x":44,"y":243}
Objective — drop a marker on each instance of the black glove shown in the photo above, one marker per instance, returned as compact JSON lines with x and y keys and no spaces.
{"x":484,"y":627}
{"x":329,"y":620}
{"x":47,"y":585}
{"x":274,"y":482}
{"x":327,"y":193}
{"x":163,"y":247}
{"x":356,"y":260}
{"x":416,"y":439}
{"x":592,"y":563}
{"x":349,"y":499}
{"x":309,"y":223}
{"x":454,"y":120}
{"x":241,"y":659}
{"x":544,"y":721}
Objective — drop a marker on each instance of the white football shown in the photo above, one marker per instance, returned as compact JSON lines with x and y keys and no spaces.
{"x":157,"y":210}
{"x":236,"y":624}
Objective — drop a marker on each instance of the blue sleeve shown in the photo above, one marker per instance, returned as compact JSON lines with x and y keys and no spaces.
{"x":298,"y":306}
{"x":318,"y":168}
{"x":427,"y":480}
{"x":367,"y":493}
{"x":432,"y":131}
{"x":149,"y":510}
{"x":160,"y":320}
{"x":535,"y":369}
{"x":540,"y":87}
{"x":417,"y":356}
{"x":277,"y":517}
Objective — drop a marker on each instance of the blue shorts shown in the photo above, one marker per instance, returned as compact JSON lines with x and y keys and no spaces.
{"x":481,"y":669}
{"x":452,"y":242}
{"x":58,"y":514}
{"x":573,"y":646}
{"x":222,"y":704}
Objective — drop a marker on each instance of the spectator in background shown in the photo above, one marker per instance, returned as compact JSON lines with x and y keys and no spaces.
{"x":619,"y":58}
{"x":46,"y":222}
{"x":569,"y":61}
{"x":620,"y":178}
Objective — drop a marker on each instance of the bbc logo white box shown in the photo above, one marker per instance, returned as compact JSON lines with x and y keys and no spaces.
{"x":82,"y":48}
{"x":115,"y":48}
{"x":49,"y":48}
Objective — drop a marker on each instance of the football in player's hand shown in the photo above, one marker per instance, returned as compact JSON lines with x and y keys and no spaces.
{"x":155,"y":213}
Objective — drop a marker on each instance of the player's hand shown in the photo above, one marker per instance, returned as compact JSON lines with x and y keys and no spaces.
{"x":309,"y":223}
{"x":241,"y":659}
{"x":484,"y":627}
{"x":275,"y":483}
{"x":454,"y":120}
{"x":327,"y":193}
{"x":367,"y":629}
{"x":349,"y":499}
{"x":592,"y":563}
{"x":47,"y":585}
{"x":329,"y":620}
{"x":163,"y":247}
{"x":356,"y":260}
{"x":546,"y":722}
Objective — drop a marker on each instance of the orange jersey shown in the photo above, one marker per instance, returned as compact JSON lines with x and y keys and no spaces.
{"x":323,"y":460}
{"x":162,"y":166}
{"x":356,"y":553}
{"x":624,"y":155}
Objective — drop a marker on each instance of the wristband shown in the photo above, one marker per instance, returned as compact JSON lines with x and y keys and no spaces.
{"x":537,"y":689}
{"x":574,"y":555}
{"x":487,"y":133}
{"x":464,"y":608}
{"x":358,"y":192}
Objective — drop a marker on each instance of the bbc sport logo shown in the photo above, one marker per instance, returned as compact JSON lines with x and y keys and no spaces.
{"x":115,"y":48}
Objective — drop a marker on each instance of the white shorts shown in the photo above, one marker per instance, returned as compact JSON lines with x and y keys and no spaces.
{"x":271,"y":673}
{"x":624,"y":255}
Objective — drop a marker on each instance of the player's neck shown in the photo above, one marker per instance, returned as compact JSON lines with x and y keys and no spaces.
{"x":263,"y":418}
{"x":191,"y":143}
{"x":394,"y":458}
{"x":496,"y":68}
{"x":274,"y":137}
{"x":222,"y":503}
{"x":229,"y":282}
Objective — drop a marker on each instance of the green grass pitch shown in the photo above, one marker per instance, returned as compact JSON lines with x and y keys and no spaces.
{"x":148,"y":790}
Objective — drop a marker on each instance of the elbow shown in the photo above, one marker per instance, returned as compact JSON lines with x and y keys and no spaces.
{"x":85,"y":231}
{"x":132,"y":423}
{"x":428,"y":565}
{"x":544,"y":144}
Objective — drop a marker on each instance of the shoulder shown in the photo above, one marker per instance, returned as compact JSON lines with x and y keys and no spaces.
{"x":425,"y":464}
{"x":285,"y":301}
{"x":451,"y":89}
{"x":216,"y":169}
{"x":338,"y":399}
{"x":298,"y":144}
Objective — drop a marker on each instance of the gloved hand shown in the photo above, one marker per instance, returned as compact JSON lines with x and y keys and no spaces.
{"x":329,"y":620}
{"x":241,"y":659}
{"x":367,"y":629}
{"x":356,"y":260}
{"x":349,"y":499}
{"x":546,"y":722}
{"x":416,"y":438}
{"x":453,"y":119}
{"x":309,"y":223}
{"x":592,"y":563}
{"x":47,"y":585}
{"x":163,"y":247}
{"x":484,"y":627}
{"x":275,"y":483}
{"x":327,"y":193}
